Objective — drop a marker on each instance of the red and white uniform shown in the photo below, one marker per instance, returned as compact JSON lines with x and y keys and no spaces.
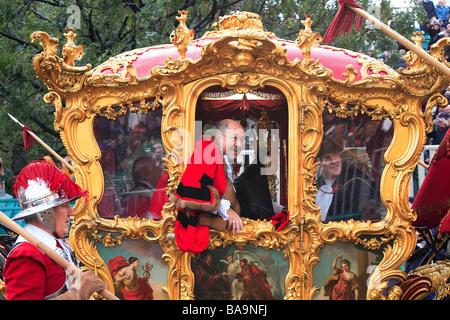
{"x":29,"y":274}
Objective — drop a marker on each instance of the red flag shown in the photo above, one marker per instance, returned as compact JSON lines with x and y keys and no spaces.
{"x":343,"y":21}
{"x":432,"y":202}
{"x":28,"y":140}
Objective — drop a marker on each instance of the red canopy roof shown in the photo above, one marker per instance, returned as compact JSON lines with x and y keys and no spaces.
{"x":336,"y":59}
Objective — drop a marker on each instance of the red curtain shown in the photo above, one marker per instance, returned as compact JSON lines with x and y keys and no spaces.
{"x":214,"y":110}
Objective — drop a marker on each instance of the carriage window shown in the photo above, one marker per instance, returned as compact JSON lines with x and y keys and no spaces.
{"x":351,"y":156}
{"x":132,"y":153}
{"x":259,"y":172}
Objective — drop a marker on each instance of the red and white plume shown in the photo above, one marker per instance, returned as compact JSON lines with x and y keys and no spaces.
{"x":39,"y":175}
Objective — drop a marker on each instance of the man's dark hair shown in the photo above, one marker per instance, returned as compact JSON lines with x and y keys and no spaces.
{"x":328,"y":147}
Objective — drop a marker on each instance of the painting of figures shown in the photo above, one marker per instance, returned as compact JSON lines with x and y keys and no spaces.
{"x":137,"y":269}
{"x":343,"y":272}
{"x":232,"y":274}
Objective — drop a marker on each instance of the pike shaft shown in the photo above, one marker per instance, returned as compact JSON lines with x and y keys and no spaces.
{"x":71,"y":269}
{"x":405,"y":42}
{"x":46,"y":146}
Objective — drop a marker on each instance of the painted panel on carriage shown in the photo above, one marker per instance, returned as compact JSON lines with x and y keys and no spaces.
{"x":133,"y":171}
{"x":137,"y":269}
{"x":343,"y":272}
{"x":230,"y":273}
{"x":351,"y":156}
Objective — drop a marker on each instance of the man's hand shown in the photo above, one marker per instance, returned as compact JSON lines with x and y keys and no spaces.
{"x":84,"y":286}
{"x":90,"y":283}
{"x":235,"y":223}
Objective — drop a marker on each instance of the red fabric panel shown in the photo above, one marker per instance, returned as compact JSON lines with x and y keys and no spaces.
{"x":433,"y":199}
{"x":31,"y":275}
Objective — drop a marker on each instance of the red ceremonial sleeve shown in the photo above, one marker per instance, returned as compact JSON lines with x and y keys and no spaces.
{"x":31,"y":275}
{"x":25,"y":279}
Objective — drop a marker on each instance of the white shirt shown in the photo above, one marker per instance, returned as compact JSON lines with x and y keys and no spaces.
{"x":324,"y":197}
{"x":51,"y":242}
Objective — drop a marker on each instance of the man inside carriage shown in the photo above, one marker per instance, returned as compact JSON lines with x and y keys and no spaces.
{"x":208,"y":198}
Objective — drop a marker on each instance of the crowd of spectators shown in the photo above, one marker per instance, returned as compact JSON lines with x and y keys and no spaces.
{"x":131,"y":161}
{"x":437,"y":26}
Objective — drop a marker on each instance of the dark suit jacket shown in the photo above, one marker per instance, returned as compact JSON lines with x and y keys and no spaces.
{"x":351,"y":192}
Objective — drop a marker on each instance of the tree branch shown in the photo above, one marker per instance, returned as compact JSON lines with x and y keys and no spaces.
{"x":136,"y":8}
{"x":9,"y":36}
{"x":42,"y":17}
{"x":53,"y":3}
{"x":44,"y":127}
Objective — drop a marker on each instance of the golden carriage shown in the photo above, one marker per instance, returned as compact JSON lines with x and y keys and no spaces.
{"x":134,"y":103}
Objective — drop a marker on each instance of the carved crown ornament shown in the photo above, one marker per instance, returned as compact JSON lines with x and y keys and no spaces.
{"x":240,"y":56}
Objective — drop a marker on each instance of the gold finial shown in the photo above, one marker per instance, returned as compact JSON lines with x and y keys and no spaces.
{"x":182,"y":18}
{"x":182,"y":36}
{"x":307,"y":22}
{"x":411,"y":58}
{"x":70,"y":51}
{"x":307,"y":38}
{"x":418,"y":38}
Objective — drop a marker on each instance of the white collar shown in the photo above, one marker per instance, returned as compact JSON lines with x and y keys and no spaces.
{"x":48,"y":239}
{"x":43,"y":236}
{"x":229,"y":169}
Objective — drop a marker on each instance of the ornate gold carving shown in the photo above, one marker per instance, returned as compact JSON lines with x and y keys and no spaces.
{"x":437,"y":50}
{"x":410,"y":57}
{"x":71,"y":52}
{"x":123,"y":72}
{"x":438,"y":273}
{"x":375,"y":67}
{"x":54,"y":71}
{"x":307,"y":38}
{"x":244,"y":58}
{"x":236,"y":22}
{"x":182,"y":36}
{"x":418,"y":38}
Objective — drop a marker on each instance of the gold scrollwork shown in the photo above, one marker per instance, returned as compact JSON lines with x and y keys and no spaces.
{"x":54,"y":71}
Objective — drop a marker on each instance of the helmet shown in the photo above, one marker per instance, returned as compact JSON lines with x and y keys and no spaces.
{"x":40,"y":187}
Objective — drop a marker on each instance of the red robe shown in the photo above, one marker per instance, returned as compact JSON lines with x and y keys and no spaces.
{"x":143,"y":291}
{"x":160,"y":198}
{"x":256,"y":287}
{"x":432,"y":202}
{"x":200,"y":189}
{"x":31,"y":275}
{"x":343,"y":289}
